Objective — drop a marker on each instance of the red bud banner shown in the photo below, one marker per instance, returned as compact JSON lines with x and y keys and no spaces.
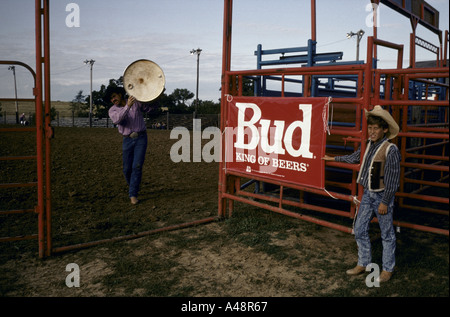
{"x":278,"y":138}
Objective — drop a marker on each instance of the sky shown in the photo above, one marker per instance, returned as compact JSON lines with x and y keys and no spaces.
{"x":116,"y":33}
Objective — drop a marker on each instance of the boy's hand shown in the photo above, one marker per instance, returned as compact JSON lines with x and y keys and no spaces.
{"x":382,"y":209}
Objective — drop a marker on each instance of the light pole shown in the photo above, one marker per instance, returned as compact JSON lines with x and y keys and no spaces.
{"x":13,"y":68}
{"x":196,"y":51}
{"x":359,"y":35}
{"x":91,"y":62}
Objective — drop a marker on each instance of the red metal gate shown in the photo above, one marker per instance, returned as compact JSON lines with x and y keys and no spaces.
{"x":43,"y":132}
{"x":387,"y":87}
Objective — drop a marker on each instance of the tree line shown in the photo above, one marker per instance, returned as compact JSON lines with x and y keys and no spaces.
{"x":176,"y":102}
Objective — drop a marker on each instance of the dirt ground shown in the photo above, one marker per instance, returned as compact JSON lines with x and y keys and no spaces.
{"x":254,"y":253}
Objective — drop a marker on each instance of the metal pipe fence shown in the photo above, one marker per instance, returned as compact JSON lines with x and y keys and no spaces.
{"x":166,"y":121}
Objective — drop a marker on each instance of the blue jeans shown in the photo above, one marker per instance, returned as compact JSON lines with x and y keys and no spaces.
{"x":133,"y":154}
{"x":367,"y":210}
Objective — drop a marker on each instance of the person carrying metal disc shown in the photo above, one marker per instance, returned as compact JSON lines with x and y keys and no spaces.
{"x":127,"y":114}
{"x":144,"y":81}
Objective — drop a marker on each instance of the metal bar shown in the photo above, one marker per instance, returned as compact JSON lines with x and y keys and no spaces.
{"x":353,"y":167}
{"x":313,"y":20}
{"x":313,"y":70}
{"x":283,"y":50}
{"x":426,"y":209}
{"x":416,"y":73}
{"x":17,"y":129}
{"x":444,"y":232}
{"x":426,"y":45}
{"x":432,"y":125}
{"x":294,"y":203}
{"x":18,"y":238}
{"x":347,"y":132}
{"x":428,"y":183}
{"x":39,"y":127}
{"x":384,"y":43}
{"x":17,"y":158}
{"x":17,"y":185}
{"x":430,"y":72}
{"x":342,"y":185}
{"x":424,"y":198}
{"x":382,"y":102}
{"x":20,"y":64}
{"x":18,"y":99}
{"x":133,"y":236}
{"x":424,"y":135}
{"x":289,"y":213}
{"x":294,"y":186}
{"x":21,"y":211}
{"x":48,"y":128}
{"x":430,"y":167}
{"x":417,"y":148}
{"x":427,"y":157}
{"x":431,"y":82}
{"x":422,"y":129}
{"x":226,"y":64}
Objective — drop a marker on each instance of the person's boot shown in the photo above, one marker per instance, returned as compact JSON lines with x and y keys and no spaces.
{"x":134,"y":200}
{"x":384,"y":276}
{"x":356,"y":270}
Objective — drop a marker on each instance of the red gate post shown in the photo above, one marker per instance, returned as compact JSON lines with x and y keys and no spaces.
{"x":39,"y":128}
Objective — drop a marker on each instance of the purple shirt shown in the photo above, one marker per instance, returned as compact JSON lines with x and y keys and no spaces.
{"x":129,"y":119}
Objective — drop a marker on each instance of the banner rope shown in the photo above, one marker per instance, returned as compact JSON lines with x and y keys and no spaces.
{"x":325,"y":118}
{"x":325,"y":115}
{"x":356,"y":202}
{"x":329,"y":194}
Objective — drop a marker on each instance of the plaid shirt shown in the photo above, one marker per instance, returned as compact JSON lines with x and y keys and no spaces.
{"x":391,"y":169}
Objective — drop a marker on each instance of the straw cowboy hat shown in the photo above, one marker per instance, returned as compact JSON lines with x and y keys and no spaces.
{"x":386,"y":116}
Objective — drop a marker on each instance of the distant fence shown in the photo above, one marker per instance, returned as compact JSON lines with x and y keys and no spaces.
{"x":170,"y":121}
{"x":10,"y":117}
{"x":166,"y":121}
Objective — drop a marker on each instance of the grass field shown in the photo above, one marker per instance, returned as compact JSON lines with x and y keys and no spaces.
{"x":255,"y":253}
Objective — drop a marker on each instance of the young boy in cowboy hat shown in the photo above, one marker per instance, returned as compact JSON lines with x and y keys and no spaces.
{"x":379,"y":175}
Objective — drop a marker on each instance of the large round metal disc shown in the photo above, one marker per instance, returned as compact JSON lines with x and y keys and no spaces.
{"x":144,"y":80}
